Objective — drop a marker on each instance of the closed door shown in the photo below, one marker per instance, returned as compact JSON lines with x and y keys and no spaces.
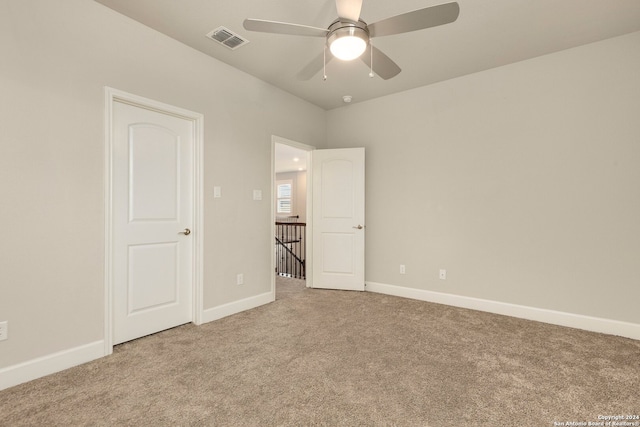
{"x":338,"y":219}
{"x":152,"y":221}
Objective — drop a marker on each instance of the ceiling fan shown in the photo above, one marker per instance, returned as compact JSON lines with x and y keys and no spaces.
{"x":348,"y":37}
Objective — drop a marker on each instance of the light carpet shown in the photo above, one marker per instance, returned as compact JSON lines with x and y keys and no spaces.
{"x":333,"y":358}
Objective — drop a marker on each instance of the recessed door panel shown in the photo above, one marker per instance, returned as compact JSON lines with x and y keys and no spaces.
{"x":154,"y":172}
{"x":338,"y":198}
{"x":337,"y":257}
{"x":153,"y":276}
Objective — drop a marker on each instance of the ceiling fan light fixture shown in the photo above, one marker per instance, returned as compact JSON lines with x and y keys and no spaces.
{"x":348,"y":48}
{"x":347,"y":40}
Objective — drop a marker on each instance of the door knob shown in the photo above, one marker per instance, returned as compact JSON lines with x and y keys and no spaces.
{"x":359,"y":227}
{"x":186,"y":232}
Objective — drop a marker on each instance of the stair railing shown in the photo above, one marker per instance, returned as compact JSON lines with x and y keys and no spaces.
{"x":290,"y":249}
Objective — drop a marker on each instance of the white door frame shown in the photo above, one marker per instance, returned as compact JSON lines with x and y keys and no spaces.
{"x":114,"y":95}
{"x":308,"y":247}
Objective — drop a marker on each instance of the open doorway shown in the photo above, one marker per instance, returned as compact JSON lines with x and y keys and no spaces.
{"x":290,"y":213}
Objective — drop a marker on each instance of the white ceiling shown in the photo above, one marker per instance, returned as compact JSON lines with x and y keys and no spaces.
{"x":487,"y":34}
{"x":290,"y":159}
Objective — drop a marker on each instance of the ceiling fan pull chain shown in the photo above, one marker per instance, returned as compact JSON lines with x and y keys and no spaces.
{"x":324,"y":63}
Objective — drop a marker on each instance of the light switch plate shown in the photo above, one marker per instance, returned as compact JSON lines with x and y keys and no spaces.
{"x":217,"y":192}
{"x":257,"y":194}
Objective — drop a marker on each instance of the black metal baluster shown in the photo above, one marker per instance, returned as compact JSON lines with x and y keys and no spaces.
{"x":290,"y":249}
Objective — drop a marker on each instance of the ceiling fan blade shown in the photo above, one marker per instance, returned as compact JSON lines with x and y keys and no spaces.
{"x":382,"y":64}
{"x":283,"y":28}
{"x":416,"y":20}
{"x":312,"y":68}
{"x":349,"y":9}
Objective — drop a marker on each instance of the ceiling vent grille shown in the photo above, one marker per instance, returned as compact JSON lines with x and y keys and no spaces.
{"x":226,"y":37}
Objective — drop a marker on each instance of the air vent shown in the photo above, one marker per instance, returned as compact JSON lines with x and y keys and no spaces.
{"x":227,"y":38}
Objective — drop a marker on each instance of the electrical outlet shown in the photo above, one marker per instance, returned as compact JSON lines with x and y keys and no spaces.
{"x":443,"y":274}
{"x":403,"y":269}
{"x":4,"y":330}
{"x":240,"y":279}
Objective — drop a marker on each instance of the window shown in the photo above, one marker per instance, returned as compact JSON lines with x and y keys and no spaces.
{"x":284,"y":199}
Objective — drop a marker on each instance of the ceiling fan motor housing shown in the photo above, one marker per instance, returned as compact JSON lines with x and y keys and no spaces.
{"x":345,"y":28}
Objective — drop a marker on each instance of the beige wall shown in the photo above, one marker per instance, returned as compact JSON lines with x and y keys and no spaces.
{"x":522,"y":181}
{"x":56,"y":57}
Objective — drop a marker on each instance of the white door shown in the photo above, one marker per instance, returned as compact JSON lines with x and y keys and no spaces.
{"x":152,"y":217}
{"x":338,"y":219}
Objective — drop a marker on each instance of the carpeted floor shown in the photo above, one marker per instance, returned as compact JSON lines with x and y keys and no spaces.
{"x":333,"y":358}
{"x":287,"y":287}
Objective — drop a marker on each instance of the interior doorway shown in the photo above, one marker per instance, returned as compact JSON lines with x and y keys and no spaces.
{"x":291,"y":213}
{"x":153,"y":217}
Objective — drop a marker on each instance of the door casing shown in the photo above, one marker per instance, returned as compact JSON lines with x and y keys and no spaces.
{"x":113,"y":95}
{"x":308,"y":264}
{"x":309,"y":268}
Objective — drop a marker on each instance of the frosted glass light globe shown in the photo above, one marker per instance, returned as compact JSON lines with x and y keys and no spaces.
{"x":348,"y":48}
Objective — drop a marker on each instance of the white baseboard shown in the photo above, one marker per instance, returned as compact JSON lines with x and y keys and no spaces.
{"x":50,"y":364}
{"x":56,"y":362}
{"x":215,"y":313}
{"x":578,"y":321}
